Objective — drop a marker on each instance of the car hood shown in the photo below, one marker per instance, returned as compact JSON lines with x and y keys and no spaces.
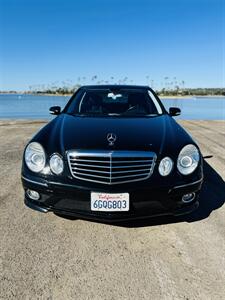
{"x":160,"y":134}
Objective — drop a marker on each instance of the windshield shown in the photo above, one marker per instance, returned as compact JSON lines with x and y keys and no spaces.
{"x":121,"y":102}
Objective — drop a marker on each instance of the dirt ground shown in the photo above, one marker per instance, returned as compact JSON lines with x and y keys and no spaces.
{"x":43,"y":256}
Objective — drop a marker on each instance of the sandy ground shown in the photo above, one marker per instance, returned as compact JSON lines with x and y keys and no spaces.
{"x":43,"y":256}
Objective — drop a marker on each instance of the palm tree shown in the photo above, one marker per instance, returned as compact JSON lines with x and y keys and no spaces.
{"x":166,"y":79}
{"x":125,"y":79}
{"x":183,"y":83}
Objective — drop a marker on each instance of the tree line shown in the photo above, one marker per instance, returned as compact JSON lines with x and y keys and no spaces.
{"x":168,"y":86}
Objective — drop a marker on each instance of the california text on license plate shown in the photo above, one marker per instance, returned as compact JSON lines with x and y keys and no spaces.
{"x":109,"y":202}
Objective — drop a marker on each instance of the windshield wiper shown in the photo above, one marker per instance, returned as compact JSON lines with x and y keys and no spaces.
{"x":152,"y":115}
{"x":137,"y":115}
{"x":113,"y":114}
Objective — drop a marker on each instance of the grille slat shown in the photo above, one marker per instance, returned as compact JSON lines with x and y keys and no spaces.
{"x":133,"y":175}
{"x":94,"y":171}
{"x":91,"y":175}
{"x":75,"y":160}
{"x":111,"y":167}
{"x":132,"y":166}
{"x":87,"y":160}
{"x":86,"y":165}
{"x":129,"y":171}
{"x":129,"y":161}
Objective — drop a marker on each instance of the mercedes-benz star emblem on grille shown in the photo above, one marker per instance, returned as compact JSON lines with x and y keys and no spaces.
{"x":111,"y":137}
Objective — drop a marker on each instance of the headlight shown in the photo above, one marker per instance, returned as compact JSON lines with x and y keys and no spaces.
{"x":165,"y":166}
{"x":188,"y":159}
{"x":35,"y":157}
{"x":56,"y":164}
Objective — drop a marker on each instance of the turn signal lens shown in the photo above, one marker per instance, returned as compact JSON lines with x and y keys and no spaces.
{"x":56,"y":164}
{"x":165,"y":166}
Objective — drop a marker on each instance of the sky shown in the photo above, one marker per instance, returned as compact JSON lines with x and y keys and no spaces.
{"x":63,"y":41}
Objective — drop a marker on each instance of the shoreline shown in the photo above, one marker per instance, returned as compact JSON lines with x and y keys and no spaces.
{"x":161,"y":97}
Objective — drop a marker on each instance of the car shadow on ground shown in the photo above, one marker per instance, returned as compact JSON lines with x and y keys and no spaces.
{"x":212,"y":197}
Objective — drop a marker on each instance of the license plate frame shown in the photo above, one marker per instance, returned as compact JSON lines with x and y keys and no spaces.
{"x":110,"y":202}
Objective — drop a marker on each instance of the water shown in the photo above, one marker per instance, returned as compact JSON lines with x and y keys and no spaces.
{"x":198,"y":108}
{"x":37,"y":107}
{"x":28,"y":106}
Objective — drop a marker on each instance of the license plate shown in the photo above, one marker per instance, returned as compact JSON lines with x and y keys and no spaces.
{"x":109,"y":202}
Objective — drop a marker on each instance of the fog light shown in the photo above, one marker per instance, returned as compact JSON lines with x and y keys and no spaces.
{"x":188,"y":197}
{"x":33,"y":195}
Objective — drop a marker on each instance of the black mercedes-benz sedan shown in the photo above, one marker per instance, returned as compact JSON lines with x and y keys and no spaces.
{"x":113,"y":153}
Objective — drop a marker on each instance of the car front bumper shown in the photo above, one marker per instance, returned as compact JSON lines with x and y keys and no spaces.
{"x":73,"y":200}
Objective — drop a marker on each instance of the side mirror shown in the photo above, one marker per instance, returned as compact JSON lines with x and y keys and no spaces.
{"x":55,"y":110}
{"x":174,"y":111}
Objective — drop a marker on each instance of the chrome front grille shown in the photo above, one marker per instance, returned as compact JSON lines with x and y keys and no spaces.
{"x":111,"y":167}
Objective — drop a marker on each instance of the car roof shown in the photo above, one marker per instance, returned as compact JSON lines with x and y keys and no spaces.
{"x":115,"y":86}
